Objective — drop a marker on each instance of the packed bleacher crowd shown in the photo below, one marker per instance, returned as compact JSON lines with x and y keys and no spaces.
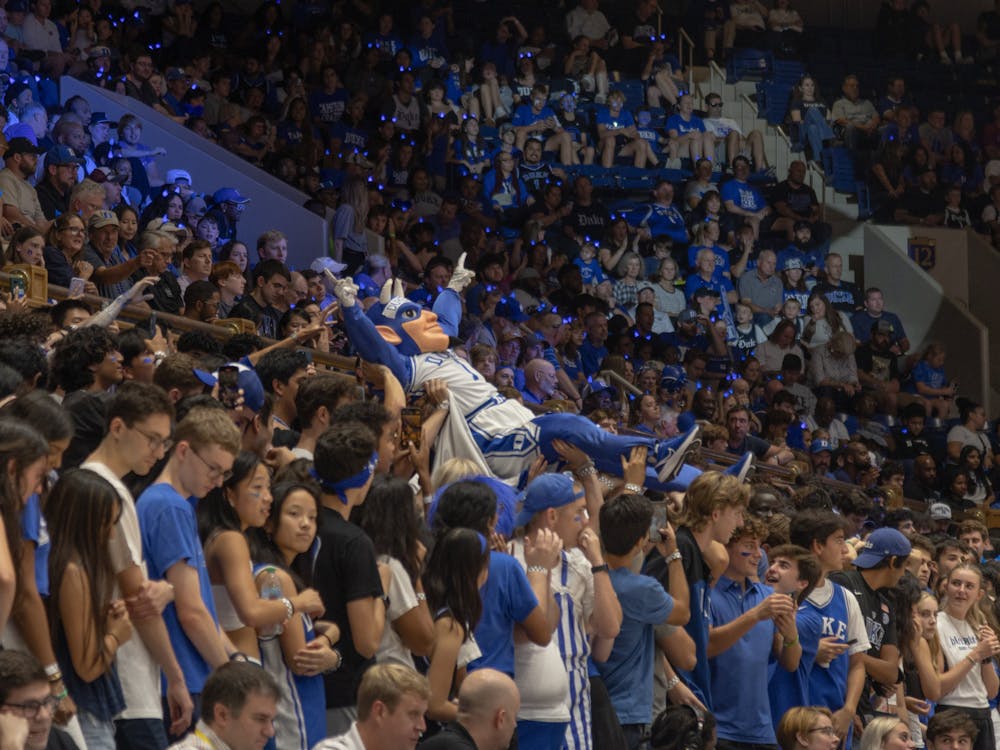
{"x":612,"y":455}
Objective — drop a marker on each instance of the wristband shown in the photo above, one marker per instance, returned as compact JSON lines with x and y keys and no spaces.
{"x":588,"y":470}
{"x":329,"y":641}
{"x":673,"y":682}
{"x":340,"y":661}
{"x":789,"y":644}
{"x":675,"y":555}
{"x":289,"y":607}
{"x":52,"y":671}
{"x":538,"y":569}
{"x":635,"y":489}
{"x":421,"y":596}
{"x":64,"y":693}
{"x":600,"y":569}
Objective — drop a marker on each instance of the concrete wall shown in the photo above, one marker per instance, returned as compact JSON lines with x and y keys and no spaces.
{"x":274,"y":204}
{"x":928,"y":310}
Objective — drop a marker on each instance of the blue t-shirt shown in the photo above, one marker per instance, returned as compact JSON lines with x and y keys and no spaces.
{"x":507,"y":600}
{"x":34,"y":529}
{"x":741,"y":706}
{"x":592,"y":356}
{"x":743,"y":195}
{"x":170,"y":536}
{"x":932,"y":377}
{"x":662,"y":220}
{"x":722,"y":263}
{"x":525,"y":115}
{"x":328,"y":108}
{"x":510,"y":193}
{"x":628,"y":672}
{"x":590,"y":270}
{"x":682,"y":126}
{"x":788,"y":689}
{"x":861,"y":324}
{"x":620,"y":121}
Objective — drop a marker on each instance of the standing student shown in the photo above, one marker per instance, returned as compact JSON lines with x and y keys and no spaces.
{"x":456,"y":571}
{"x":714,"y":510}
{"x":88,"y":624}
{"x":628,"y":670}
{"x":751,"y":625}
{"x":968,"y":648}
{"x":224,"y":517}
{"x":831,"y":619}
{"x":206,"y":443}
{"x":346,"y":573}
{"x":138,"y":426}
{"x":304,"y":650}
{"x":29,"y":626}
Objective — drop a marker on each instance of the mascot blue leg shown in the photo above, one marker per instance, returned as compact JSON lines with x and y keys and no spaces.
{"x":606,"y":449}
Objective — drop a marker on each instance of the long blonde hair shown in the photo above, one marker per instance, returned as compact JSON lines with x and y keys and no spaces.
{"x":355,"y":194}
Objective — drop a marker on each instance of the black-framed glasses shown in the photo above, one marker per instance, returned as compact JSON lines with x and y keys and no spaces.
{"x":30,"y":709}
{"x":214,"y":472}
{"x":155,"y":441}
{"x":715,"y":104}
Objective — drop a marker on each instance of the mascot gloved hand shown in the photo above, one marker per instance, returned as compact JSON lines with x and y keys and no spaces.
{"x":461,"y":277}
{"x":344,"y":289}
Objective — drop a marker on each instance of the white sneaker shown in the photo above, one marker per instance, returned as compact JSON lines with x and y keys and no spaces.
{"x":587,"y":82}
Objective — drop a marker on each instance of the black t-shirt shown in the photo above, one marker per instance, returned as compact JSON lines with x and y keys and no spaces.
{"x":345,"y":571}
{"x":57,"y":265}
{"x":167,"y":295}
{"x":800,"y":200}
{"x":588,"y":221}
{"x":845,"y":296}
{"x":880,"y":365}
{"x":918,"y":203}
{"x":53,"y":202}
{"x":909,"y":446}
{"x":759,"y":446}
{"x":452,"y":737}
{"x":59,"y":740}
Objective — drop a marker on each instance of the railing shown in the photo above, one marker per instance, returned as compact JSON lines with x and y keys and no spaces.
{"x":139,"y":313}
{"x":685,"y":44}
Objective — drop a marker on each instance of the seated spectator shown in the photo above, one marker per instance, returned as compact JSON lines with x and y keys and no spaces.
{"x":929,"y":381}
{"x":922,"y":204}
{"x":874,"y":309}
{"x":53,"y":191}
{"x":855,"y":119}
{"x":785,"y":29}
{"x":537,"y":118}
{"x":744,"y":200}
{"x":761,"y":290}
{"x":794,"y":201}
{"x":878,"y":370}
{"x":688,"y":137}
{"x":779,"y":343}
{"x":661,"y":217}
{"x":21,"y":205}
{"x":25,"y":693}
{"x":725,"y":130}
{"x":833,"y":371}
{"x":662,"y":74}
{"x":809,"y":111}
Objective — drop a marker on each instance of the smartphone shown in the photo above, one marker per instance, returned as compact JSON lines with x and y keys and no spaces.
{"x":229,"y":386}
{"x":76,"y":285}
{"x":412,"y":421}
{"x":851,"y":642}
{"x":658,"y":522}
{"x":151,"y":323}
{"x":18,"y":287}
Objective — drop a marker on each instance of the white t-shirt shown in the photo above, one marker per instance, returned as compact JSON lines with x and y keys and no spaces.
{"x":137,"y":671}
{"x":962,"y":434}
{"x":958,"y":639}
{"x":402,"y":599}
{"x":539,"y":671}
{"x":856,"y":629}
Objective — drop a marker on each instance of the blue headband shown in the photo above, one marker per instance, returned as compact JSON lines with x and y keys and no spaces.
{"x":340,"y":488}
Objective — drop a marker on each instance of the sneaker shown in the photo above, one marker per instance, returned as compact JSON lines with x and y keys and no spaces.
{"x":600,"y":99}
{"x":669,"y":455}
{"x":587,"y":82}
{"x":741,"y":468}
{"x":673,"y":163}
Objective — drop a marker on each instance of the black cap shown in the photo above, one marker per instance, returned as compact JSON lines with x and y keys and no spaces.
{"x":22,"y":146}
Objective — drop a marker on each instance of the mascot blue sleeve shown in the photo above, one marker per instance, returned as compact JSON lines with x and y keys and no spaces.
{"x":372,"y":347}
{"x":448,"y":308}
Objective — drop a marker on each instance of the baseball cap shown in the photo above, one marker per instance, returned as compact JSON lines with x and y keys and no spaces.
{"x":791,"y":263}
{"x":106,"y":174}
{"x":882,"y":543}
{"x":673,"y":378}
{"x":159,"y":224}
{"x":508,"y":307}
{"x":229,"y":195}
{"x":97,"y":118}
{"x":60,"y":154}
{"x":940,"y":512}
{"x":96,"y":52}
{"x":595,"y":386}
{"x":22,"y":146}
{"x":247,"y":380}
{"x":176,"y":74}
{"x":173,"y":175}
{"x":196,"y":206}
{"x":547,"y":491}
{"x":687,"y":316}
{"x":820,"y":445}
{"x":17,"y":6}
{"x":706,"y":291}
{"x":883,"y":326}
{"x":103,"y":219}
{"x":15,"y":89}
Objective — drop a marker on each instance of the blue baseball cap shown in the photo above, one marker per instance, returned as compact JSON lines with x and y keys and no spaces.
{"x":253,"y":389}
{"x":59,"y":155}
{"x":229,"y":195}
{"x":820,"y":445}
{"x":882,"y":543}
{"x":547,"y":491}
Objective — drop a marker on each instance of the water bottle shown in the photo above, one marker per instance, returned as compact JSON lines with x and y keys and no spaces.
{"x":270,"y":590}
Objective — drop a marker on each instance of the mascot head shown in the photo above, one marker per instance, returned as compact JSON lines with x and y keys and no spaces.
{"x":406,"y":325}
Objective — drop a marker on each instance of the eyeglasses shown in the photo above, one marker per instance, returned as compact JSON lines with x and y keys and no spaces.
{"x":828,"y":731}
{"x":30,"y":709}
{"x":73,"y":230}
{"x":715,"y":104}
{"x":214,"y":472}
{"x":155,"y":441}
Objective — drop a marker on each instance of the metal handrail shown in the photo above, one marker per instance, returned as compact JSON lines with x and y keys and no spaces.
{"x":682,"y":38}
{"x":138,"y":313}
